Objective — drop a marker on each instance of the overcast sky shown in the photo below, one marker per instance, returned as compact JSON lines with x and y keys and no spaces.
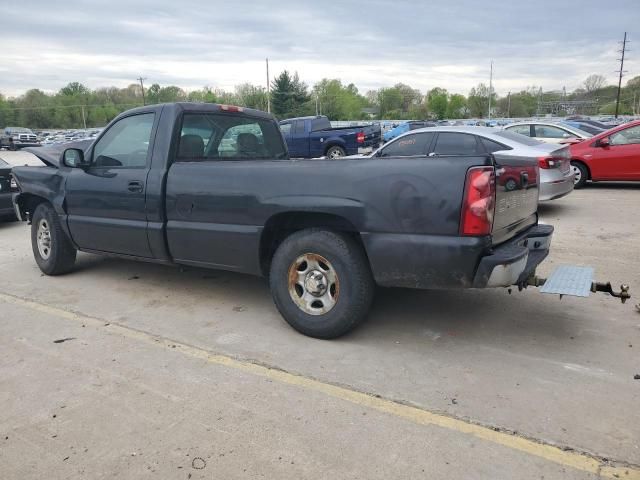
{"x":548,"y":43}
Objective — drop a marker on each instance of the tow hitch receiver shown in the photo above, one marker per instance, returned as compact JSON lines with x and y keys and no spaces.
{"x":576,"y":281}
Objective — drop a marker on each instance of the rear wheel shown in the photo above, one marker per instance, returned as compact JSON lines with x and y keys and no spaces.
{"x":580,"y":174}
{"x":336,"y":152}
{"x":321,"y":282}
{"x":52,"y":249}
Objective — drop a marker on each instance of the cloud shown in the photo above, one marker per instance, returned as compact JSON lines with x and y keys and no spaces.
{"x":372,"y":44}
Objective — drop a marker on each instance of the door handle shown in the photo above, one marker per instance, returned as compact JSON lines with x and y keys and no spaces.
{"x":135,"y":186}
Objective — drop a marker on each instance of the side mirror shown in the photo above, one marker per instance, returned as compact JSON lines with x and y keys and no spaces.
{"x":74,"y":158}
{"x":604,"y":142}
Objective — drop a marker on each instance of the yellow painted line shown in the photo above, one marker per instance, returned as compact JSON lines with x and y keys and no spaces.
{"x":578,"y":461}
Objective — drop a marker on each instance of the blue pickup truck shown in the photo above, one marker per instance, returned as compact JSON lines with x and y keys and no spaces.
{"x":310,"y":137}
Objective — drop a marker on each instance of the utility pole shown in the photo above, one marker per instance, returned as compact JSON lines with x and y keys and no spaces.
{"x":268,"y":90}
{"x":490,"y":89}
{"x":141,"y":80}
{"x":509,"y":105}
{"x":84,"y":119}
{"x":624,"y":47}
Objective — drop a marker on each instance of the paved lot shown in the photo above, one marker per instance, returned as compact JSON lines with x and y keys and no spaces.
{"x":166,"y":373}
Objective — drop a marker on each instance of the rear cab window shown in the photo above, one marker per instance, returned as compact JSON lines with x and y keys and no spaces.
{"x":218,"y":136}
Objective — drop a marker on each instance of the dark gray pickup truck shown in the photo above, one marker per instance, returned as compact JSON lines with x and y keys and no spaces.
{"x":213,"y":186}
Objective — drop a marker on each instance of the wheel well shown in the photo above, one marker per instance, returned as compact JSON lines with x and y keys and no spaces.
{"x":281,"y":225}
{"x":333,"y":144}
{"x":577,"y":160}
{"x":28,"y":204}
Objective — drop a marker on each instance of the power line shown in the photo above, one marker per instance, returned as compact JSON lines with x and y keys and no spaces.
{"x":142,"y":86}
{"x":624,"y":47}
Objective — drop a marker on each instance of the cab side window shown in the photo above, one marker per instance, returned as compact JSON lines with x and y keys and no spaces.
{"x":213,"y":136}
{"x":408,"y":146}
{"x":126,"y":143}
{"x":521,"y":129}
{"x":547,"y":131}
{"x":450,"y":143}
{"x":298,"y":127}
{"x":490,"y":146}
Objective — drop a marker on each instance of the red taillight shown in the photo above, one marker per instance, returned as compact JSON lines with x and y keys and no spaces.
{"x":231,"y":108}
{"x":479,"y":202}
{"x":360,"y":137}
{"x":549,"y":162}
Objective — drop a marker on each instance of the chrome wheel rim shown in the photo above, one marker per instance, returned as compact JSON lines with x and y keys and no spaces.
{"x":44,"y":239}
{"x":313,"y":284}
{"x":577,"y":174}
{"x":335,"y":153}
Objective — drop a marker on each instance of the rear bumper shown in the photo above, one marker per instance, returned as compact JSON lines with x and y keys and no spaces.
{"x":449,"y":262}
{"x":516,"y":260}
{"x":556,"y":189}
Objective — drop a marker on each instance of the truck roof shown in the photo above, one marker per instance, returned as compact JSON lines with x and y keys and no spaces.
{"x":203,"y":107}
{"x":309,"y":117}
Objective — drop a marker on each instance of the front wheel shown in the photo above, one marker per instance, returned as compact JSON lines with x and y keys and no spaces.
{"x":580,"y":174}
{"x":321,"y":282}
{"x":53,"y":251}
{"x":336,"y":152}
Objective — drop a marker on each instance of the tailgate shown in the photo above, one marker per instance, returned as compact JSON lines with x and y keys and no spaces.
{"x":517,"y":185}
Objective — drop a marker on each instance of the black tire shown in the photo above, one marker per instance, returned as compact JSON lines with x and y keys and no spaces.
{"x":583,"y":172}
{"x":60,"y":255}
{"x":335,"y":152}
{"x":352,"y":292}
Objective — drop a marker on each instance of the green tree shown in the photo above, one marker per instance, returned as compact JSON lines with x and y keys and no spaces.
{"x":457,"y":106}
{"x":390,"y":102}
{"x":478,"y":101}
{"x":289,"y":97}
{"x":339,"y":102}
{"x":438,"y":100}
{"x":251,"y":96}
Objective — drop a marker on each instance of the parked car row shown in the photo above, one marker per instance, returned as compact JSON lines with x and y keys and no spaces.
{"x":612,"y":154}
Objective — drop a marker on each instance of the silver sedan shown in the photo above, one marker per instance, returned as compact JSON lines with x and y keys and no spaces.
{"x":553,"y":160}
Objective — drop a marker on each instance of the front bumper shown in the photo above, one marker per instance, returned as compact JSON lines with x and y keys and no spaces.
{"x":6,"y":204}
{"x":513,"y":262}
{"x":556,"y":189}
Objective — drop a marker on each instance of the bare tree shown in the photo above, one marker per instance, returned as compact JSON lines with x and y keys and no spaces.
{"x":594,"y":82}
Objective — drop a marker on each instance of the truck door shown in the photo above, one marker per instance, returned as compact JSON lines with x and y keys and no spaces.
{"x":299,"y":140}
{"x":106,"y":200}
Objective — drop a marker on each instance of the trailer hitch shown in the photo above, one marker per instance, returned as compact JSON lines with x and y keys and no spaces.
{"x":575,"y":281}
{"x":623,"y":294}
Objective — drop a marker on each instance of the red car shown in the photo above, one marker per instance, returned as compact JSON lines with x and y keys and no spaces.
{"x":610,"y":155}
